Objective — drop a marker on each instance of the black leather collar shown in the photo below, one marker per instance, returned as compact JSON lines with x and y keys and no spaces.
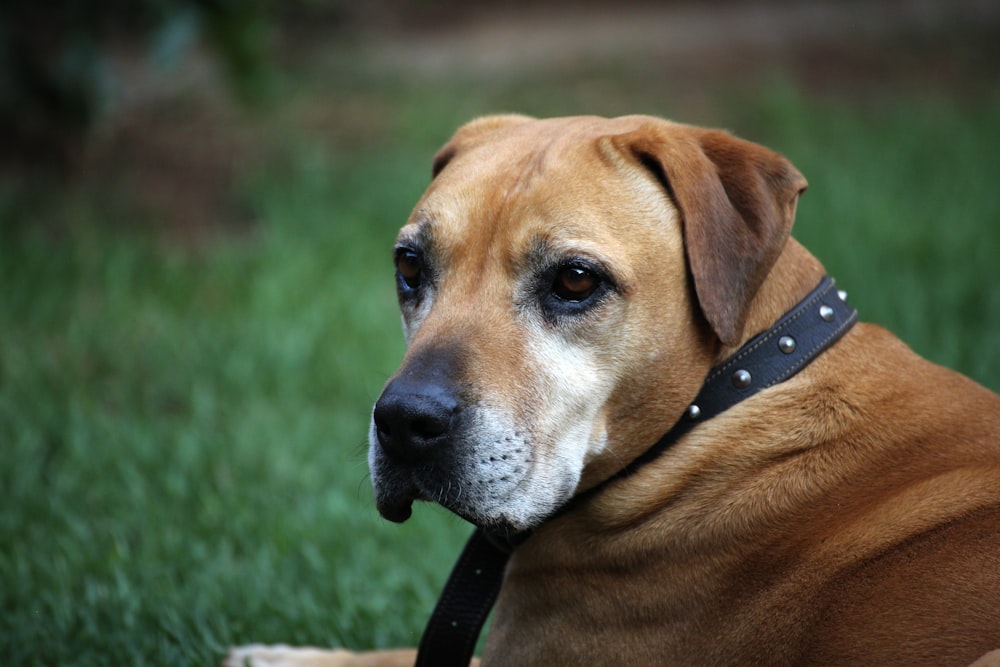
{"x":818,"y":321}
{"x":796,"y":339}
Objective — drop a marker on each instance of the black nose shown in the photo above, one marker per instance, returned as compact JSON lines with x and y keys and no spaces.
{"x":413,"y":419}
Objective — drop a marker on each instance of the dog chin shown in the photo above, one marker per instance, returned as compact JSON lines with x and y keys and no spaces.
{"x":504,"y":519}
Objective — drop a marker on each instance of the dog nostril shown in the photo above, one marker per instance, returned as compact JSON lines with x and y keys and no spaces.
{"x":428,"y":427}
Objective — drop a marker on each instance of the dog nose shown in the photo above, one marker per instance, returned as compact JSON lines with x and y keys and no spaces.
{"x":412,"y":420}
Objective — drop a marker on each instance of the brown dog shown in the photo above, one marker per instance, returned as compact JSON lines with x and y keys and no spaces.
{"x":566,"y":286}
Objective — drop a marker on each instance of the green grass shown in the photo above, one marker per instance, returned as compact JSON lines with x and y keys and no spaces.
{"x":182,"y":430}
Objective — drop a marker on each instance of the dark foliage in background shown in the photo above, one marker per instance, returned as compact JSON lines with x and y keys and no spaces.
{"x":57,"y":61}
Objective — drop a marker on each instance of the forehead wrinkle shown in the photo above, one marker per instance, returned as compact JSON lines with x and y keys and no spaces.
{"x":501,"y":245}
{"x":531,"y":167}
{"x":476,"y":229}
{"x":499,"y":179}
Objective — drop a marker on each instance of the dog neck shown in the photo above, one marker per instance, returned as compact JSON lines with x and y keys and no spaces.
{"x":802,"y":333}
{"x":793,"y":277}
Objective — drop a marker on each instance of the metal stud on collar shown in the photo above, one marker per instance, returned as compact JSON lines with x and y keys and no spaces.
{"x":786,"y":344}
{"x":742,"y":379}
{"x":826,"y":312}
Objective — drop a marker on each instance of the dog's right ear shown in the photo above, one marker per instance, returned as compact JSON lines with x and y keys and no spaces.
{"x":471,"y":134}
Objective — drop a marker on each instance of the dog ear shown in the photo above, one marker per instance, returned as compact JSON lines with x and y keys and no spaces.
{"x":737,"y":201}
{"x":473,"y":133}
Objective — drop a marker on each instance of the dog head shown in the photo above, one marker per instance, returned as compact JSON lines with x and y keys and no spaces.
{"x":564,"y":285}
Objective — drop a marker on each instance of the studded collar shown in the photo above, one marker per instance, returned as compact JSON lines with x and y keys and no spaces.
{"x":771,"y":357}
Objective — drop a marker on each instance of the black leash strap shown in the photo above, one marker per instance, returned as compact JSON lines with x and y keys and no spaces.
{"x":775,"y":355}
{"x":449,"y":639}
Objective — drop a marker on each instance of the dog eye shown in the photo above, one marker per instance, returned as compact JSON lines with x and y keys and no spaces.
{"x":409,"y":268}
{"x":575,"y":283}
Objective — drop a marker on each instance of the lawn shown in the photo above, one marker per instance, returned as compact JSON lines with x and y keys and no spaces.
{"x":183,"y":426}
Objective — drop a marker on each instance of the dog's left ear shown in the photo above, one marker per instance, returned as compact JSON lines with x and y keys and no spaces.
{"x":737,"y":201}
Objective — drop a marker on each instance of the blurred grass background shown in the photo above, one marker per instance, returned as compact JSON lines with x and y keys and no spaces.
{"x":197,"y":308}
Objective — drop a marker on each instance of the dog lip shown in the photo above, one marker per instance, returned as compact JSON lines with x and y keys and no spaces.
{"x":397,"y":510}
{"x":395,"y":501}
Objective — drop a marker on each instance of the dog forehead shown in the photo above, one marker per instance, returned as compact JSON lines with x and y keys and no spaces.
{"x":517,"y":153}
{"x":540,"y":182}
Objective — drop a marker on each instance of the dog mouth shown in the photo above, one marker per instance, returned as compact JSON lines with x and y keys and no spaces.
{"x":395,"y":501}
{"x":483,"y":475}
{"x":396,"y":505}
